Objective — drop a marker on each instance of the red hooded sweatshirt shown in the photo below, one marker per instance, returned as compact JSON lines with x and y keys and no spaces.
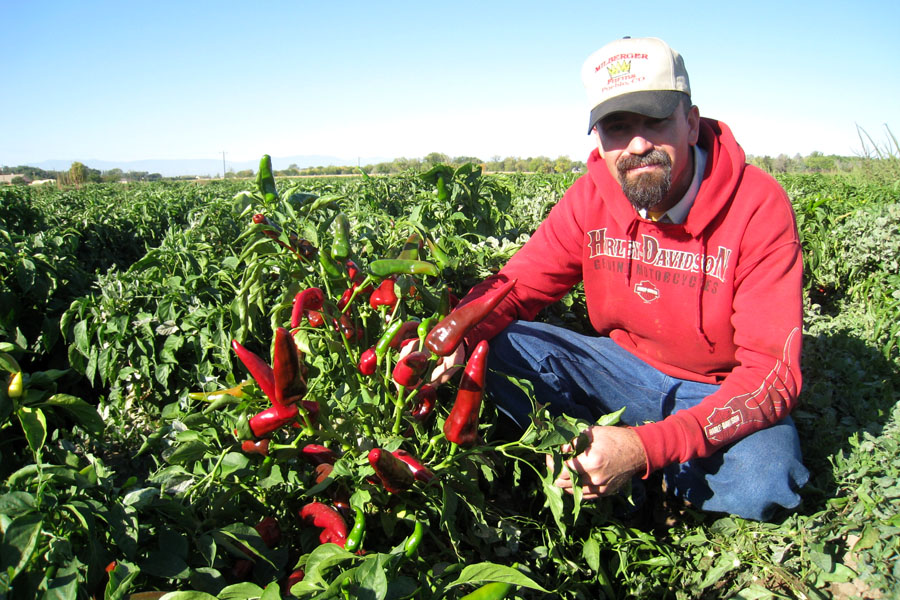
{"x":716,"y":299}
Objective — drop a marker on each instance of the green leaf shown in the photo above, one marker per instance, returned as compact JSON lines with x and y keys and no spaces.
{"x":19,"y":543}
{"x":590,"y":552}
{"x":187,"y":453}
{"x":188,"y":596}
{"x":120,"y":579}
{"x":85,"y":414}
{"x":14,"y":504}
{"x":34,"y":424}
{"x":485,"y":572}
{"x":241,"y":591}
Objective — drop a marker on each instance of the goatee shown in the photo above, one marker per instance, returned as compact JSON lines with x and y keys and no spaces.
{"x":646,"y":190}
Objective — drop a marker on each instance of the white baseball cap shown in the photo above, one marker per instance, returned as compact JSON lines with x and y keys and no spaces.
{"x":640,"y":75}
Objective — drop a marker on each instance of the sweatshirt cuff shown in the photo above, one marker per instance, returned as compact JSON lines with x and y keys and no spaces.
{"x":662,"y":445}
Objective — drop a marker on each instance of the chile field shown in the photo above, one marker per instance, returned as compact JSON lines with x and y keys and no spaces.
{"x":200,"y":401}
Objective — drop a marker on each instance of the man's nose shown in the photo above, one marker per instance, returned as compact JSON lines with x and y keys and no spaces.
{"x":639,"y":145}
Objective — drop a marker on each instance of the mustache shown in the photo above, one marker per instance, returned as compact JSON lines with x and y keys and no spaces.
{"x":654,"y":157}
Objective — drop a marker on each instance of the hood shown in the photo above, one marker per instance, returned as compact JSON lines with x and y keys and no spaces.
{"x":724,"y":168}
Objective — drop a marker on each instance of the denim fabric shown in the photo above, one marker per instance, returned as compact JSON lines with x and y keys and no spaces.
{"x":587,"y":377}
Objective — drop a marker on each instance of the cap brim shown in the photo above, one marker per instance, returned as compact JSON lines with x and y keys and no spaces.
{"x":651,"y":103}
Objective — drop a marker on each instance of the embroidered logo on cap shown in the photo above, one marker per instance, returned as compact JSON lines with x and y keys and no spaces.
{"x":617,"y":69}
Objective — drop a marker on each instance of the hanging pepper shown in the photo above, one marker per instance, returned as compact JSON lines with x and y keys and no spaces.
{"x":355,"y":537}
{"x":317,"y":454}
{"x":329,"y":266}
{"x":461,"y":426}
{"x":438,"y":254}
{"x":260,"y":370}
{"x":344,"y":324}
{"x":265,"y":180}
{"x":419,"y":471}
{"x":353,"y":272}
{"x":334,"y":528}
{"x":260,"y":447}
{"x":384,"y":295}
{"x":394,"y":474}
{"x":409,"y":370}
{"x":315,"y":318}
{"x":447,"y":335}
{"x":269,"y":530}
{"x":368,"y":362}
{"x":309,"y":299}
{"x":16,"y":386}
{"x":424,"y":402}
{"x":395,"y":266}
{"x":411,"y":545}
{"x":340,"y":242}
{"x":272,"y":419}
{"x":289,"y":383}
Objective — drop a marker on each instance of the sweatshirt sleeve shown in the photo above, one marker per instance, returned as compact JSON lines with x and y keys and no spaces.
{"x":546,"y":267}
{"x":767,"y":322}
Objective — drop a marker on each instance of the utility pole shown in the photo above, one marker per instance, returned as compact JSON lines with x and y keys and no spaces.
{"x":223,"y":164}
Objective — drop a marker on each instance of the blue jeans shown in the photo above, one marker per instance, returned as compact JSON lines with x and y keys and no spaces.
{"x":587,"y":377}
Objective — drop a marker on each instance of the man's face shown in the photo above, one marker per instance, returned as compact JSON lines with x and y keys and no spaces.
{"x":651,"y":158}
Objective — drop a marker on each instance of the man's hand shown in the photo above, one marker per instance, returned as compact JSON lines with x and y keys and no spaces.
{"x":613,"y":456}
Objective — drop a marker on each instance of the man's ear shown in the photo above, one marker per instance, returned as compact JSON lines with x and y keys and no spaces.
{"x":693,"y":125}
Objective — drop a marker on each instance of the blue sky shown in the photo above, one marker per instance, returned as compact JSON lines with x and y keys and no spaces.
{"x":360,"y":80}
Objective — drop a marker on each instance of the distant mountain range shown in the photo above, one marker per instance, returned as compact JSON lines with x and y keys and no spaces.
{"x":201,"y":166}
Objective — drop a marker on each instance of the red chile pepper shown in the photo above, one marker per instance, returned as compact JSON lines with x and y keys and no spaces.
{"x":447,"y":335}
{"x":384,"y":295}
{"x":409,"y":370}
{"x":461,"y":426}
{"x":295,"y":577}
{"x":419,"y":471}
{"x":271,"y":419}
{"x":315,"y":318}
{"x":318,"y":455}
{"x":269,"y":531}
{"x":259,"y":369}
{"x":289,"y":383}
{"x":368,"y":362}
{"x":425,"y":400}
{"x":260,"y":447}
{"x":353,"y":272}
{"x":334,"y":528}
{"x":394,"y":474}
{"x":306,"y":300}
{"x":344,"y":324}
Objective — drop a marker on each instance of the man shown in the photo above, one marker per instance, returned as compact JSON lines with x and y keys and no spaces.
{"x":692,"y":275}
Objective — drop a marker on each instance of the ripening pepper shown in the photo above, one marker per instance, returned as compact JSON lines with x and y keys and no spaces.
{"x":394,"y":474}
{"x":411,"y":248}
{"x":409,"y":370}
{"x":288,"y":371}
{"x":444,"y":338}
{"x":269,"y":530}
{"x":419,"y":471}
{"x":334,"y":528}
{"x":16,"y":386}
{"x":260,"y":447}
{"x":384,"y":295}
{"x":302,"y":248}
{"x":461,"y":426}
{"x":368,"y":362}
{"x":306,"y":300}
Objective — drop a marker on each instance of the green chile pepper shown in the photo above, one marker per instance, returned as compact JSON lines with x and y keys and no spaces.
{"x":384,"y":267}
{"x":495,"y":590}
{"x":411,"y":248}
{"x":340,"y":243}
{"x":355,"y":537}
{"x":411,"y":546}
{"x":265,"y":180}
